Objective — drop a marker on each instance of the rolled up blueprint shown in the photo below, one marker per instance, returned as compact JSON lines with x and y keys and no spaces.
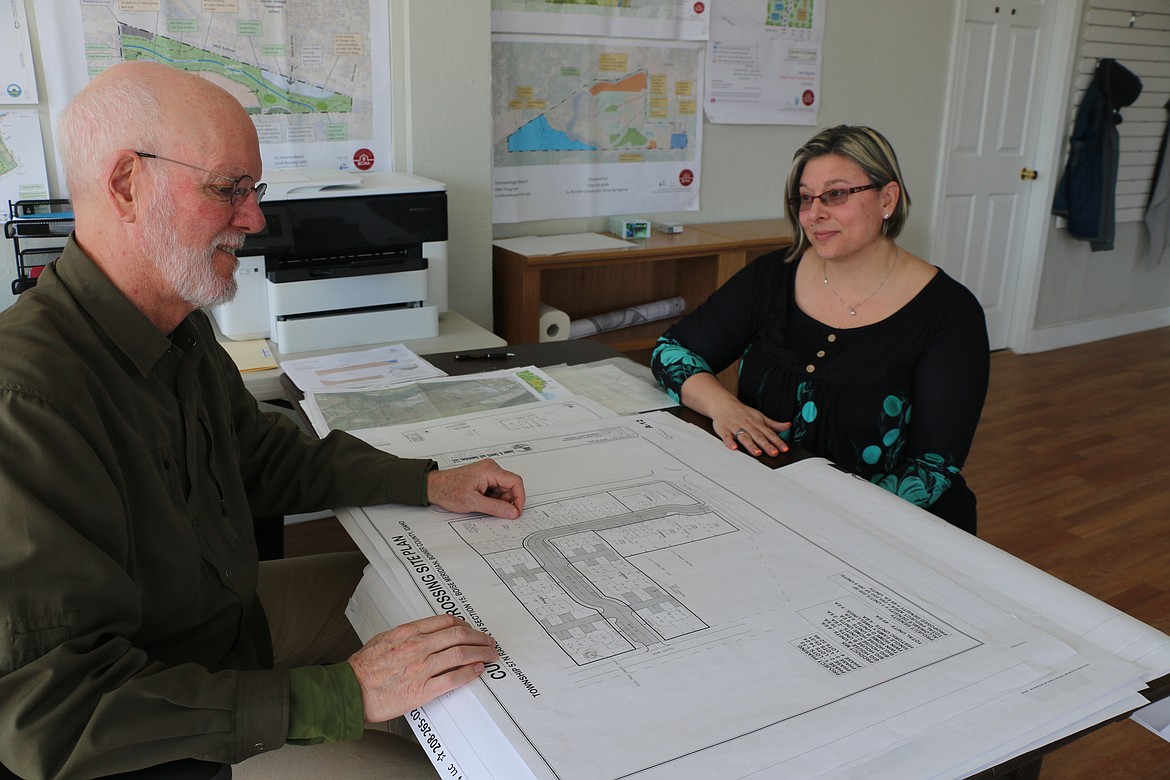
{"x":623,"y":318}
{"x":554,"y":323}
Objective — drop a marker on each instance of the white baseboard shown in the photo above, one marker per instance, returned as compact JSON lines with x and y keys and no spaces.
{"x":1058,"y":336}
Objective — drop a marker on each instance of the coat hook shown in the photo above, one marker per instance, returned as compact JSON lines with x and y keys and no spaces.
{"x":1133,"y":15}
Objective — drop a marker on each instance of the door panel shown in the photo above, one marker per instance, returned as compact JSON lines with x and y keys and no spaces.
{"x":992,"y":133}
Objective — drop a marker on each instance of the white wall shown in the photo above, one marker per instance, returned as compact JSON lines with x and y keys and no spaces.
{"x":443,"y":121}
{"x":1080,"y":286}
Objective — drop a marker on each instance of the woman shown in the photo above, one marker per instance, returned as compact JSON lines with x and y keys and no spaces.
{"x":851,"y":347}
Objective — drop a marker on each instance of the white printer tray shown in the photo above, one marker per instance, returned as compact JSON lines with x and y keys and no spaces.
{"x":351,"y":311}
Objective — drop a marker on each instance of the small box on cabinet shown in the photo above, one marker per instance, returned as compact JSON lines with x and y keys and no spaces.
{"x":629,"y":227}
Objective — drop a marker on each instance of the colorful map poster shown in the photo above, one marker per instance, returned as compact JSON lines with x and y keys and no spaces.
{"x":306,"y":72}
{"x":684,"y":20}
{"x":594,"y":126}
{"x":18,"y":78}
{"x":764,"y":62}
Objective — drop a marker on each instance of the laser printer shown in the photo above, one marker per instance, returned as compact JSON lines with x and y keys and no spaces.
{"x":344,"y":260}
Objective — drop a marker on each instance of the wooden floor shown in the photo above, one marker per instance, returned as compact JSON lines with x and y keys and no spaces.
{"x":1071,"y":467}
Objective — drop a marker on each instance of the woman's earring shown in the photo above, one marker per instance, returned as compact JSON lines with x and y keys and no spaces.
{"x":885,"y":216}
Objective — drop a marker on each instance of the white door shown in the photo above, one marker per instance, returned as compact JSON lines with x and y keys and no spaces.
{"x":990,"y":147}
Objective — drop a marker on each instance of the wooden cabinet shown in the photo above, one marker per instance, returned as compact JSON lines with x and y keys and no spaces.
{"x":691,"y":264}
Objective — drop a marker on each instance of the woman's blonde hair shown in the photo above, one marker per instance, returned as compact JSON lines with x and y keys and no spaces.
{"x":866,"y":147}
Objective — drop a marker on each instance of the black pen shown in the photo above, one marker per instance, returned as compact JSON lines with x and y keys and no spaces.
{"x":486,"y":356}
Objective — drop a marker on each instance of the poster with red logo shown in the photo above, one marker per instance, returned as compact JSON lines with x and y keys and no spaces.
{"x":594,"y":126}
{"x":764,"y":62}
{"x":311,"y":75}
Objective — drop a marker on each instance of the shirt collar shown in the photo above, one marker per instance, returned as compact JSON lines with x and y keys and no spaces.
{"x":112,"y":312}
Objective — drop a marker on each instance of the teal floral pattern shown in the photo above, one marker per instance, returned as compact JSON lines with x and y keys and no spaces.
{"x":678,"y":365}
{"x":921,"y":482}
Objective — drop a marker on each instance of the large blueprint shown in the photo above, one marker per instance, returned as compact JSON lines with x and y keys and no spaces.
{"x":667,"y":608}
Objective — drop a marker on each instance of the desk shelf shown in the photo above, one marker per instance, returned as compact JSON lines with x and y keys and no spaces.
{"x":691,"y":264}
{"x":38,"y":230}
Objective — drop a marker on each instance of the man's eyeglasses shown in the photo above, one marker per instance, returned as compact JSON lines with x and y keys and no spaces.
{"x":237,"y":193}
{"x":829,"y":198}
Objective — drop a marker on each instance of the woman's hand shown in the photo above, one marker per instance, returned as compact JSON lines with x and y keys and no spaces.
{"x":739,"y":425}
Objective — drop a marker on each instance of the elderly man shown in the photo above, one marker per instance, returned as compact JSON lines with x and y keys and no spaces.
{"x":139,"y":632}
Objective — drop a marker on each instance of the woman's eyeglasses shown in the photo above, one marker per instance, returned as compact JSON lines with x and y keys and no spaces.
{"x":830,"y":198}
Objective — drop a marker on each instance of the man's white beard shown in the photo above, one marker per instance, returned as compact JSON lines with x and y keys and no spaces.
{"x":190,"y":271}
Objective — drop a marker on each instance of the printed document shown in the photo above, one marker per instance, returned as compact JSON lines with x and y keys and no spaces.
{"x":696,"y":614}
{"x":362,"y":412}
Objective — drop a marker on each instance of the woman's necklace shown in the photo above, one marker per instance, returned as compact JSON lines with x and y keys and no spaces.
{"x":853,"y":309}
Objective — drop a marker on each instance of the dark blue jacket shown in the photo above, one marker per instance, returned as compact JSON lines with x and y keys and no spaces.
{"x":1085,"y":194}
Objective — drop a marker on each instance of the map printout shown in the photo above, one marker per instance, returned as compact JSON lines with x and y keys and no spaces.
{"x":18,"y":77}
{"x":594,"y":126}
{"x":684,"y":20}
{"x":22,"y":157}
{"x":764,"y":61}
{"x":306,"y":72}
{"x":645,"y":586}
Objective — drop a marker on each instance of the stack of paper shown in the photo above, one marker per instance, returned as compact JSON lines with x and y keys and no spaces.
{"x":252,"y":355}
{"x":668,"y":608}
{"x":401,"y":414}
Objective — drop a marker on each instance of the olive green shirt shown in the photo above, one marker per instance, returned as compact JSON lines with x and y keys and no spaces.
{"x":131,"y":466}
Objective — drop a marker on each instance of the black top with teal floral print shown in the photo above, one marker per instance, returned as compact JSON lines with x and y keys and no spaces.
{"x":895,"y":402}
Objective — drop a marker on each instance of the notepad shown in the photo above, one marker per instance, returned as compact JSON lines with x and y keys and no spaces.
{"x":251,"y":355}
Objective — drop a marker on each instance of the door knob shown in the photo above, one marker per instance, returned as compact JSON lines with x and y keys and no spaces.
{"x":1028,"y":173}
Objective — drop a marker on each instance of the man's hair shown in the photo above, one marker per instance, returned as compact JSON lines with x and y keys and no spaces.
{"x":123,"y":114}
{"x":870,"y":151}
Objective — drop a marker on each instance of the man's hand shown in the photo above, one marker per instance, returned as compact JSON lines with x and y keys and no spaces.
{"x":477,"y":487}
{"x":410,"y":665}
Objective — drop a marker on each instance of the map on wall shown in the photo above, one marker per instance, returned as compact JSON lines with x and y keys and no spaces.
{"x":17,"y":75}
{"x":594,"y":126}
{"x":306,"y":72}
{"x":764,"y":62}
{"x":676,"y":19}
{"x":22,"y":158}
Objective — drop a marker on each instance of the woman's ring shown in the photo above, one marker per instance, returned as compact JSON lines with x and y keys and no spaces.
{"x":741,"y":430}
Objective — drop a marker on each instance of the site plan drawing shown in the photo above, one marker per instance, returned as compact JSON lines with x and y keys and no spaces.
{"x":660,"y":581}
{"x":442,"y":431}
{"x":305,"y":71}
{"x":428,"y":399}
{"x":588,"y":126}
{"x":22,"y":157}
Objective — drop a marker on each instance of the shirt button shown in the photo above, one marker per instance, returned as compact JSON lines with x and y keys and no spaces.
{"x":810,"y":368}
{"x":832,"y":337}
{"x":258,"y":747}
{"x":191,"y":342}
{"x":227,"y":573}
{"x":820,"y":353}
